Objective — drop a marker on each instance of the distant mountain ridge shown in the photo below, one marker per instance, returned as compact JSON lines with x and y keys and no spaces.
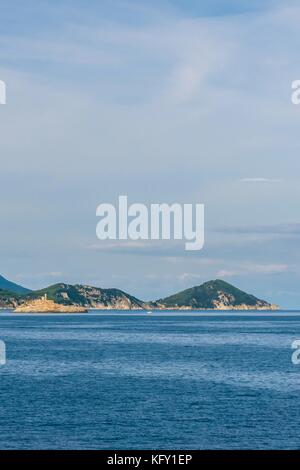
{"x":212,"y":295}
{"x":12,"y":287}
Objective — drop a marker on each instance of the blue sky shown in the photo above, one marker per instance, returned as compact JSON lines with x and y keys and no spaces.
{"x":165,"y":101}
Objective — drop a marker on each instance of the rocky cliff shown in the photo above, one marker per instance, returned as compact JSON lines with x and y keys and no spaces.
{"x":90,"y":297}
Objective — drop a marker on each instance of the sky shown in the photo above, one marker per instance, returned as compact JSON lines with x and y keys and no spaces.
{"x":162,"y":101}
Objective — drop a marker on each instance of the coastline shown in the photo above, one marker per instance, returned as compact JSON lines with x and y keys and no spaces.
{"x":179,"y":310}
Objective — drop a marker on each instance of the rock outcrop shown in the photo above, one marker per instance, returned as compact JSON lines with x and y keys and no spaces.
{"x":44,"y":305}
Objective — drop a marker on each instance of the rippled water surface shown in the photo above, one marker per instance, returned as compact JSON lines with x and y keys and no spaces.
{"x":122,"y":381}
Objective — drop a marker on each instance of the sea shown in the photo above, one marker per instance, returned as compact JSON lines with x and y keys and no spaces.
{"x":115,"y":380}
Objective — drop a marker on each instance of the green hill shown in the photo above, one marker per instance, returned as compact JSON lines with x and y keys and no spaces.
{"x":88,"y":296}
{"x":212,"y":295}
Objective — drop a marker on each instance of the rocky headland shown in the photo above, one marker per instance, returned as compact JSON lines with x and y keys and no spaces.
{"x":44,"y":305}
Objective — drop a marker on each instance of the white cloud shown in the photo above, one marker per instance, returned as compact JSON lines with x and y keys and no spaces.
{"x":261,"y":180}
{"x":247,"y":268}
{"x":39,"y":275}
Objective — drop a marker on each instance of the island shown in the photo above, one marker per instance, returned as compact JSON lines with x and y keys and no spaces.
{"x":67,"y":298}
{"x":214,"y":295}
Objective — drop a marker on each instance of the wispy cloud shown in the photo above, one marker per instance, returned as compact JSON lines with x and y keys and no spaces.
{"x":51,"y":274}
{"x":253,"y":268}
{"x":261,"y":180}
{"x":165,"y":249}
{"x":271,"y":229}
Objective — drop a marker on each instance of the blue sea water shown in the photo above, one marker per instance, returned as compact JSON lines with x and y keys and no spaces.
{"x":133,"y":381}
